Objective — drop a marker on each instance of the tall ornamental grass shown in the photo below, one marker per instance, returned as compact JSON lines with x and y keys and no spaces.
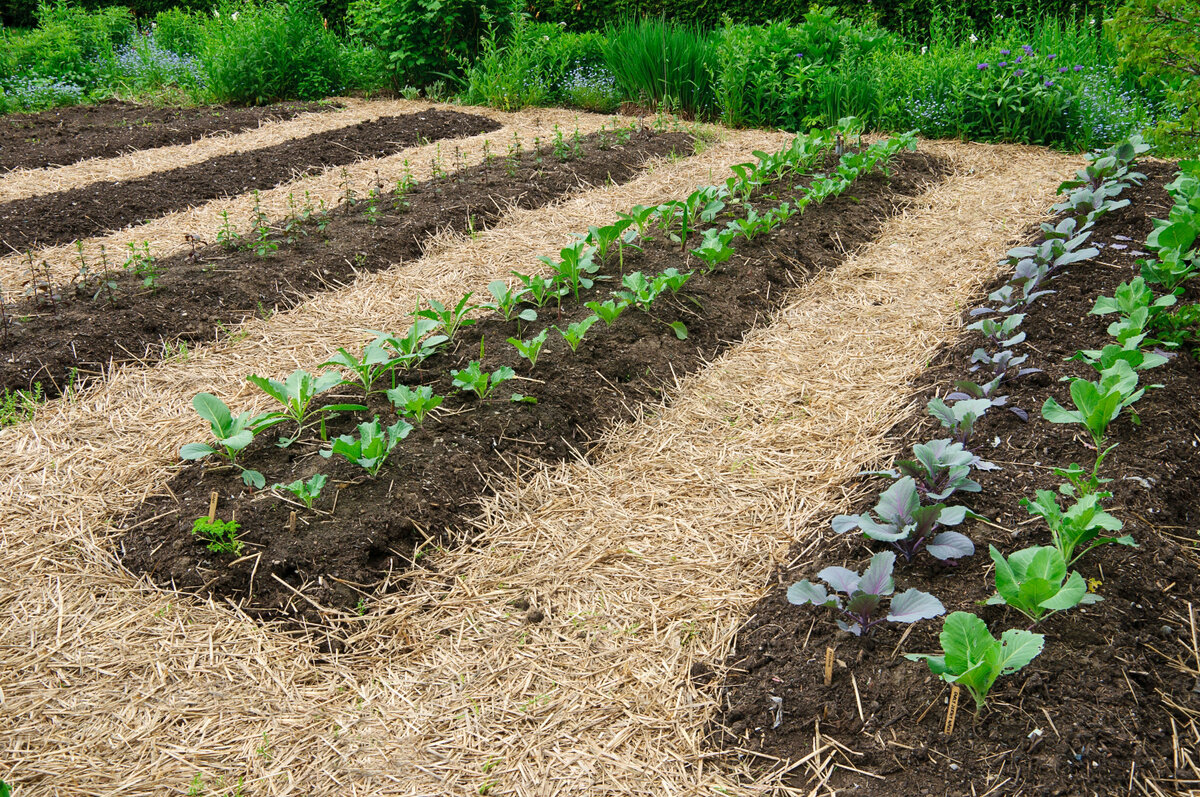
{"x":663,"y":63}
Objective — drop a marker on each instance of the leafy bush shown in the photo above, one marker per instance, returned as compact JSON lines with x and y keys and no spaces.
{"x":70,"y":45}
{"x":422,"y":40}
{"x":255,"y":54}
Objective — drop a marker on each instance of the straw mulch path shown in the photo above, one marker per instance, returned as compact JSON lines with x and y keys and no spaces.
{"x":167,"y":234}
{"x":555,"y":658}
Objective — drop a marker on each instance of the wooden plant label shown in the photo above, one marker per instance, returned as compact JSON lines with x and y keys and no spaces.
{"x":212,"y":506}
{"x":292,"y":523}
{"x":952,"y":709}
{"x":828,"y":666}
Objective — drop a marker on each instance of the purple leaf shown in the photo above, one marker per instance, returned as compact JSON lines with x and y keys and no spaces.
{"x":950,"y":545}
{"x":912,"y":605}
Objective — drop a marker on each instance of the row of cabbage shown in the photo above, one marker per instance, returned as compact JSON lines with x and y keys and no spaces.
{"x":914,"y":515}
{"x":377,"y":368}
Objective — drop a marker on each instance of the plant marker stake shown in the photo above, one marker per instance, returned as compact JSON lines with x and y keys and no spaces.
{"x":828,"y":665}
{"x":212,"y":506}
{"x":952,"y":709}
{"x":292,"y":523}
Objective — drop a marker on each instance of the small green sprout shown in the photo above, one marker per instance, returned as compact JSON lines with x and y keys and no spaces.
{"x":450,"y":319}
{"x":306,"y":491}
{"x":473,"y":379}
{"x":608,"y":311}
{"x":574,"y":332}
{"x":529,"y":349}
{"x":371,"y":448}
{"x":414,"y":403}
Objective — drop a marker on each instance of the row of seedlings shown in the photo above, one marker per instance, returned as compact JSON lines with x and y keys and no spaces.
{"x":375,"y":368}
{"x":913,"y":514}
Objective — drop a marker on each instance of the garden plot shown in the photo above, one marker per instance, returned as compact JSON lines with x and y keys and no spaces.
{"x":558,"y":653}
{"x":78,"y":213}
{"x":71,"y":332}
{"x":572,"y":385}
{"x":1108,"y":705}
{"x":169,"y":234}
{"x":63,"y":136}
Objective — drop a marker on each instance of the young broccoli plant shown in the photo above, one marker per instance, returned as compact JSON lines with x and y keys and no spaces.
{"x":505,"y":301}
{"x":604,"y":238}
{"x":960,"y":417}
{"x":1098,"y":403}
{"x":1106,"y":358}
{"x":220,"y":536}
{"x":640,"y":216}
{"x":232,"y":434}
{"x":575,"y":268}
{"x":541,"y":289}
{"x":940,"y":469}
{"x":639,"y":291}
{"x":374,"y":363}
{"x":865,"y":595}
{"x":306,"y":491}
{"x":714,"y":247}
{"x":529,"y":349}
{"x":415,"y":346}
{"x":472,"y":379}
{"x":1034,"y":581}
{"x":671,"y":278}
{"x":1080,"y":525}
{"x":908,"y":527}
{"x":574,"y":333}
{"x":974,"y":659}
{"x":452,"y":319}
{"x":371,"y":448}
{"x":608,"y":311}
{"x":297,"y":394}
{"x":414,"y":403}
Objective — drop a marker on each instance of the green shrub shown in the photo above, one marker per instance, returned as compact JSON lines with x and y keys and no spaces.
{"x":422,"y":40}
{"x":255,"y":54}
{"x":70,"y":43}
{"x":180,"y":30}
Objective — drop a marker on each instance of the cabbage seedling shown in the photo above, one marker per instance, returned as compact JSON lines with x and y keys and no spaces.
{"x":376,"y":362}
{"x":414,"y":347}
{"x":974,"y":659}
{"x":608,"y":311}
{"x":575,"y":267}
{"x":296,"y":395}
{"x":908,"y":527}
{"x":603,"y":238}
{"x":414,"y":403}
{"x":1097,"y":403}
{"x":371,"y":448}
{"x":306,"y":491}
{"x":1081,"y":524}
{"x":1034,"y":581}
{"x":529,"y":349}
{"x":641,"y":216}
{"x":450,"y":320}
{"x":479,"y":382}
{"x":1106,"y":358}
{"x":865,"y":595}
{"x":960,"y":417}
{"x":941,"y":468}
{"x":715,"y":248}
{"x":1001,"y":332}
{"x":574,"y":332}
{"x":541,"y":289}
{"x":640,"y":291}
{"x":231,"y":434}
{"x":506,"y":300}
{"x":671,"y":278}
{"x":966,"y":390}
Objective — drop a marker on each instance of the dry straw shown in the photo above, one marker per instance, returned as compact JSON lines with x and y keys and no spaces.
{"x":167,"y":234}
{"x":643,"y":560}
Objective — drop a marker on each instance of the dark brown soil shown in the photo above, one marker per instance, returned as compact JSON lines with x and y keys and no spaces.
{"x":65,"y":216}
{"x":61,"y":136}
{"x":198,"y":296}
{"x":1086,"y":710}
{"x":367,"y":532}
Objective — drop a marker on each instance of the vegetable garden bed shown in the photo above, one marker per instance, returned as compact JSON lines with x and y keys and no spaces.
{"x":65,"y":216}
{"x":80,"y":328}
{"x":349,"y":547}
{"x":61,"y":136}
{"x":1086,"y":715}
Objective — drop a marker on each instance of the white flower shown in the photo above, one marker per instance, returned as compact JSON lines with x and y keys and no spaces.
{"x":923,"y":49}
{"x":973,"y":38}
{"x":233,"y":16}
{"x":216,"y":13}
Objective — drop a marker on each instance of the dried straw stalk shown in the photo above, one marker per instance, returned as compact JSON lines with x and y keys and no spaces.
{"x":643,"y":560}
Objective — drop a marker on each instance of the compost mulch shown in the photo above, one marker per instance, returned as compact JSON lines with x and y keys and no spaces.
{"x":1086,"y":717}
{"x":61,"y":136}
{"x":76,"y":213}
{"x":200,"y":293}
{"x":361,"y":542}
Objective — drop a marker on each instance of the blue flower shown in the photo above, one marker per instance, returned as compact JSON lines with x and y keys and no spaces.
{"x":1002,"y":64}
{"x":1051,"y":57}
{"x":982,"y":66}
{"x":1005,"y":52}
{"x":1048,"y":83}
{"x":1063,"y":69}
{"x":1079,"y":67}
{"x":1028,"y":50}
{"x":1019,"y":72}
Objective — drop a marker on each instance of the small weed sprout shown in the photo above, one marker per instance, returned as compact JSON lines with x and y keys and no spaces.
{"x":220,"y":536}
{"x":305,"y":491}
{"x":142,"y":264}
{"x":228,"y":236}
{"x":263,"y":245}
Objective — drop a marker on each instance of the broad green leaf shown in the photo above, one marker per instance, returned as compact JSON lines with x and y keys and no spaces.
{"x":193,"y":451}
{"x":805,"y":592}
{"x":912,"y":605}
{"x":877,"y":578}
{"x":213,"y":410}
{"x":1017,"y":648}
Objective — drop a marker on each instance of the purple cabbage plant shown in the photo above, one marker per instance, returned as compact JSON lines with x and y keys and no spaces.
{"x":865,"y":594}
{"x":940,"y":468}
{"x":909,"y":527}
